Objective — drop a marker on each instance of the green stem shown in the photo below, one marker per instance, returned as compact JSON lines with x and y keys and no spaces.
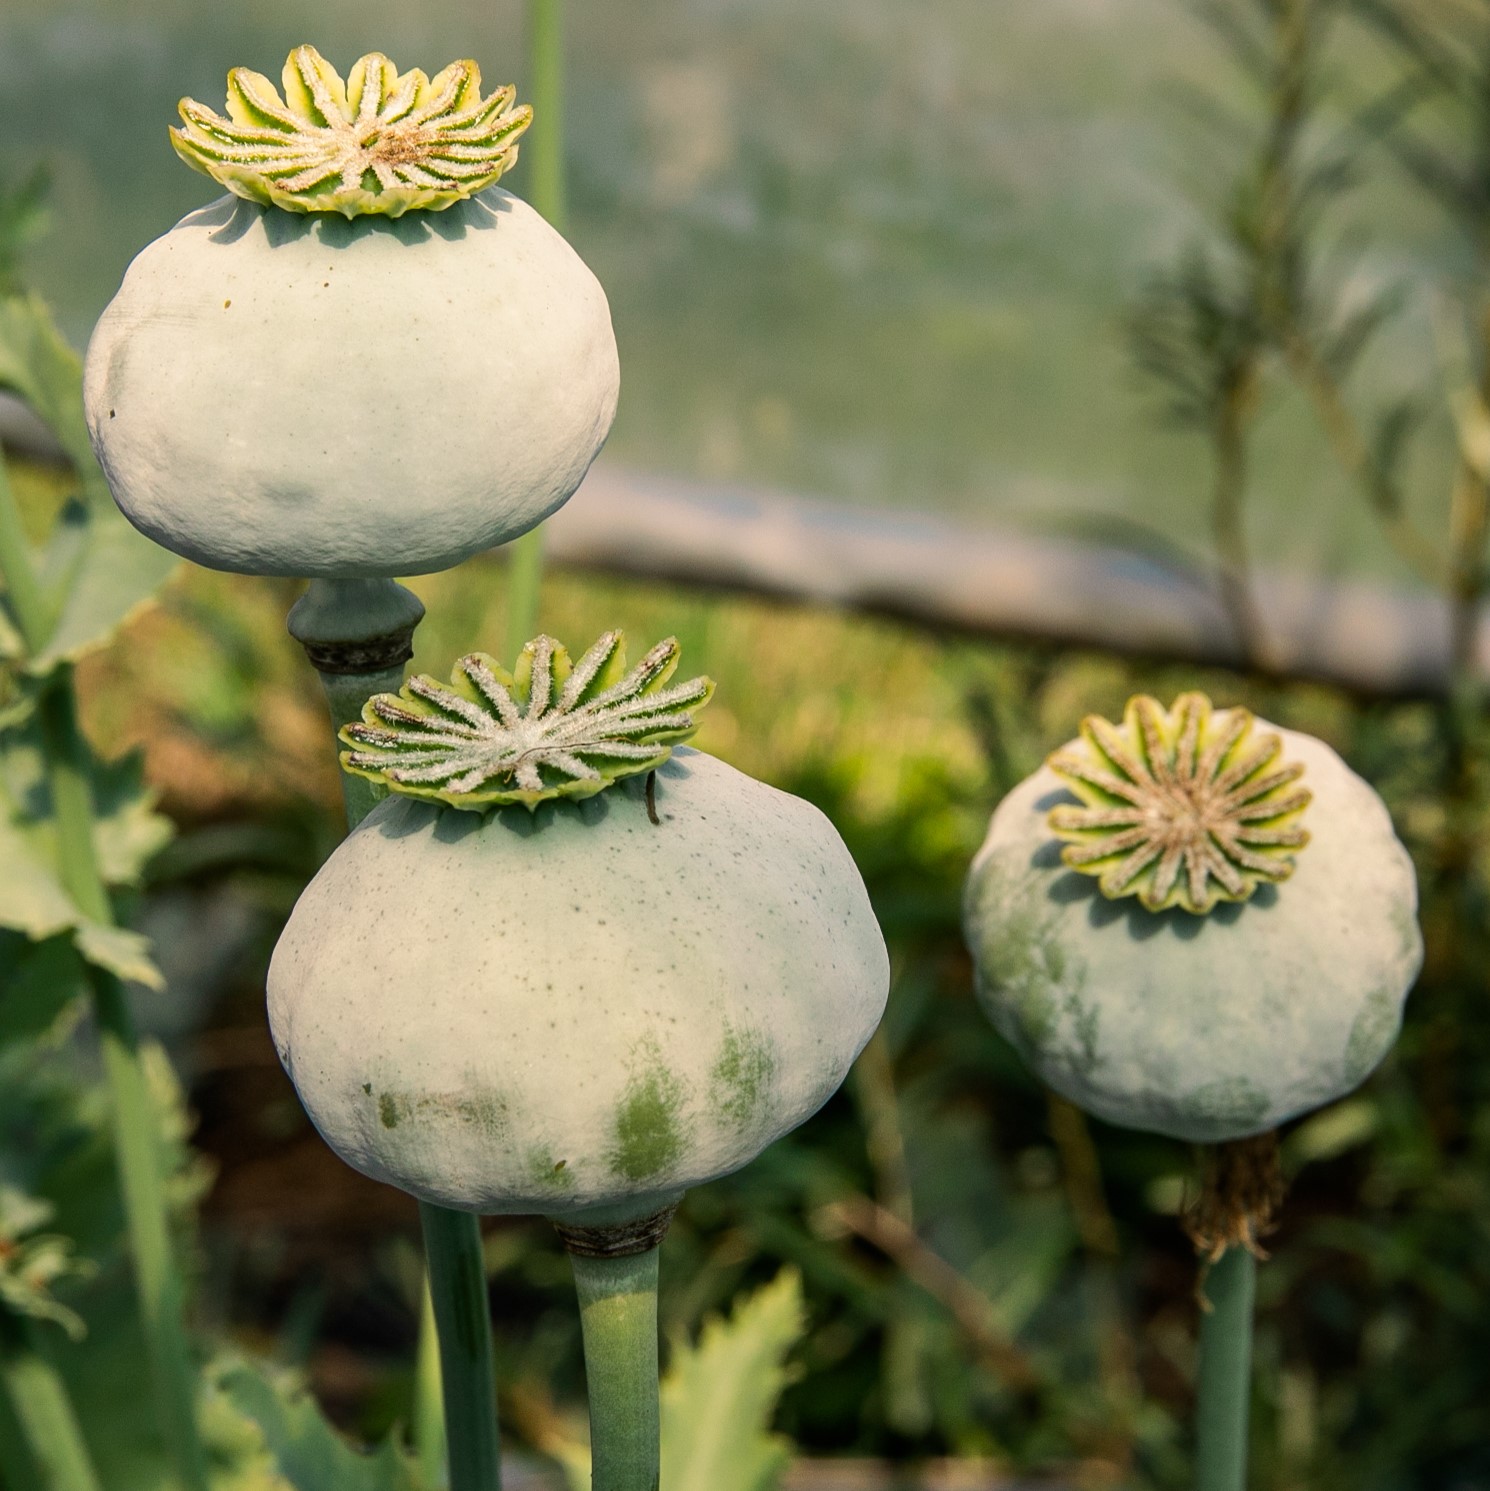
{"x":347,"y":614}
{"x":618,"y":1316}
{"x":1223,"y":1392}
{"x":457,"y":1285}
{"x":429,"y":1401}
{"x":345,"y":696}
{"x":18,"y":1467}
{"x":524,"y":590}
{"x":544,"y":148}
{"x":544,"y":152}
{"x":44,"y":1414}
{"x":136,"y":1123}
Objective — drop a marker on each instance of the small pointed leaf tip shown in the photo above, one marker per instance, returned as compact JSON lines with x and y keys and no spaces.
{"x":1182,"y":808}
{"x":379,"y":141}
{"x":549,"y":728}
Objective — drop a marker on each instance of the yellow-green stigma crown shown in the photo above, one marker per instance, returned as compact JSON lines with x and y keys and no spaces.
{"x":550,"y":728}
{"x":380,"y":142}
{"x":1180,"y":808}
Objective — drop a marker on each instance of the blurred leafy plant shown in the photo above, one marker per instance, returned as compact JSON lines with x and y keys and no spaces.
{"x":266,"y":1433}
{"x":1254,"y":295}
{"x":718,"y":1397}
{"x":32,"y":1261}
{"x":1264,"y":298}
{"x":23,"y":220}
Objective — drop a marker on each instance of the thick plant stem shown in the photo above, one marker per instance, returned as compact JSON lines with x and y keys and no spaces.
{"x":358,"y":635}
{"x":618,"y":1316}
{"x":1223,"y":1391}
{"x":457,"y":1287}
{"x":44,"y":1417}
{"x":136,"y":1124}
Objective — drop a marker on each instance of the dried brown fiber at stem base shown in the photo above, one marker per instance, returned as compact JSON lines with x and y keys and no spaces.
{"x":1240,"y":1194}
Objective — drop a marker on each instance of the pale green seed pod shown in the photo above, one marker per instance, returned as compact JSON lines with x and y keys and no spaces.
{"x":574,"y":1011}
{"x":1282,"y":995}
{"x":350,"y":383}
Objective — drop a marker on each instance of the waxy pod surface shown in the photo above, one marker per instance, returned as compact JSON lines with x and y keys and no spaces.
{"x":577,"y":1012}
{"x":1206,"y":1028}
{"x":282,"y":393}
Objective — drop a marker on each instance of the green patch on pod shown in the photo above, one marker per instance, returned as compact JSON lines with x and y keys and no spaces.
{"x":1025,"y":956}
{"x":380,"y":142}
{"x":1185,"y":807}
{"x":1212,"y":1027}
{"x":550,"y":728}
{"x":648,"y":1135}
{"x":742,"y":1076}
{"x":484,"y":1110}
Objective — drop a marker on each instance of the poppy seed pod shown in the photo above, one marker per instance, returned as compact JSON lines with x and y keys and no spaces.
{"x":571,"y":1004}
{"x":1189,"y":925}
{"x":369,"y":360}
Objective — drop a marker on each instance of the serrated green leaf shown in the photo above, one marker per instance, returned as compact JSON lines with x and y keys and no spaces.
{"x":34,"y":903}
{"x":116,"y":576}
{"x":127,"y":831}
{"x":121,"y":952}
{"x":189,"y":1175}
{"x":55,"y":1144}
{"x":37,"y":365}
{"x":60,"y":556}
{"x":32,"y":900}
{"x":31,"y":1262}
{"x":718,"y":1396}
{"x":237,"y":1450}
{"x":305,"y":1450}
{"x":100,"y":570}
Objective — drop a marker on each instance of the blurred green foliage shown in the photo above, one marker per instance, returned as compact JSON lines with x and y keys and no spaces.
{"x":985,"y":1273}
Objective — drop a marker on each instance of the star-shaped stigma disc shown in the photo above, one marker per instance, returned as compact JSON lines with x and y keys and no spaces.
{"x":550,"y":728}
{"x":1181,"y":808}
{"x":380,"y":142}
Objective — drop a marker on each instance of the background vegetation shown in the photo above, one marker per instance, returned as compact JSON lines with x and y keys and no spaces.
{"x":986,"y":1274}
